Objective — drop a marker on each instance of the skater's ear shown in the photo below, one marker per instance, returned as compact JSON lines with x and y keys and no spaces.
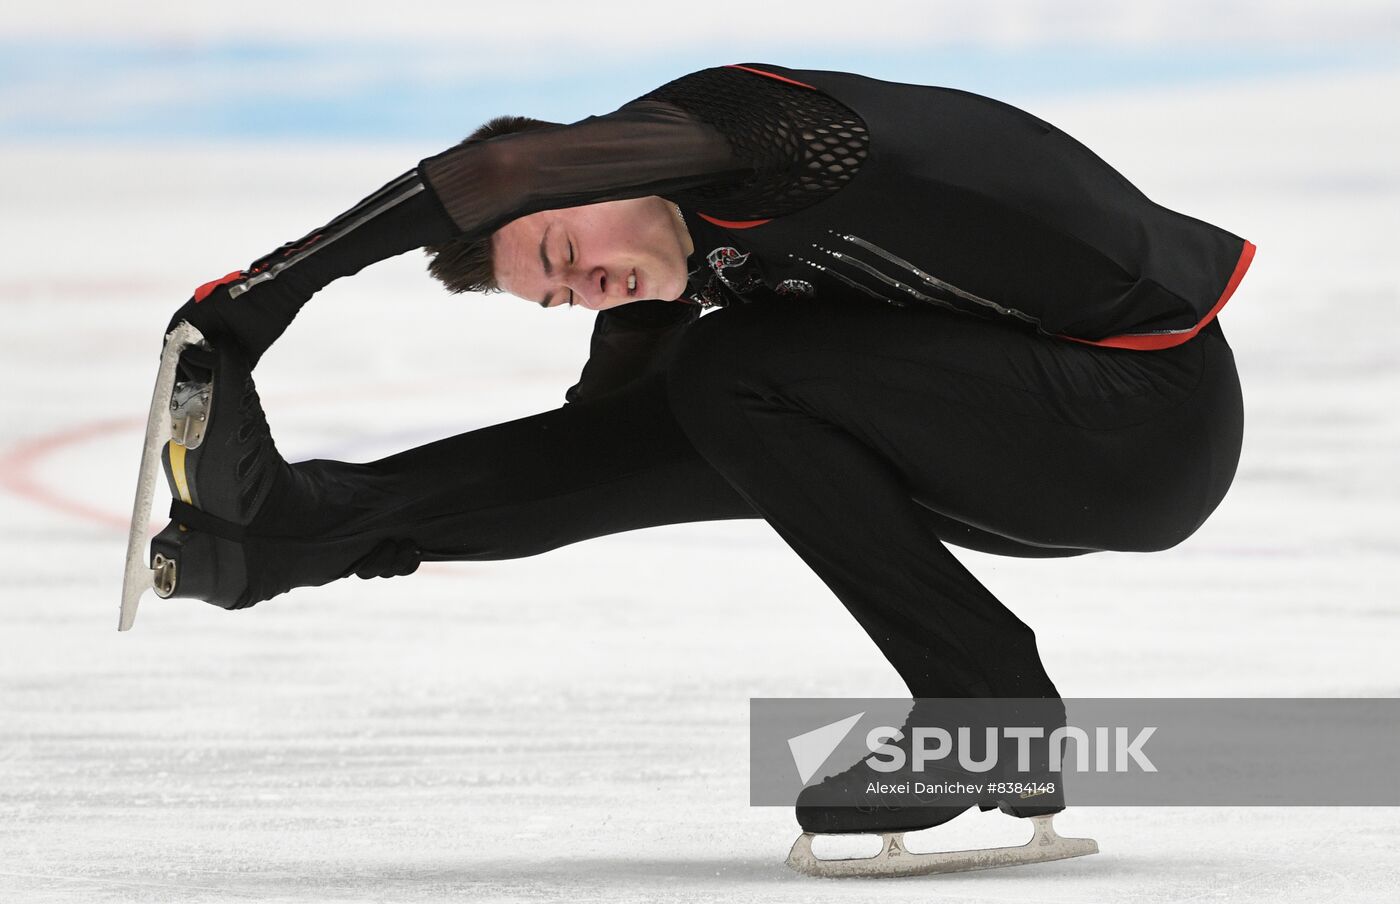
{"x":465,"y":264}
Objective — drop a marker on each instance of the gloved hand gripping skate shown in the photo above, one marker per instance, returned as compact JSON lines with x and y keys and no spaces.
{"x":221,"y":464}
{"x":220,"y":478}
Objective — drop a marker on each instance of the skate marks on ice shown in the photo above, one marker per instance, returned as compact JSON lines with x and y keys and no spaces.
{"x":895,"y":859}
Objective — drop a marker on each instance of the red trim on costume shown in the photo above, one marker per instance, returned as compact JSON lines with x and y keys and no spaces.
{"x":1148,"y":342}
{"x":734,"y":224}
{"x":204,"y":291}
{"x":770,"y":75}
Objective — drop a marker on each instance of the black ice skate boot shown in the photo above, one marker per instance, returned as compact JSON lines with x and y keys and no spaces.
{"x":221,"y":465}
{"x":864,"y":799}
{"x":844,"y":804}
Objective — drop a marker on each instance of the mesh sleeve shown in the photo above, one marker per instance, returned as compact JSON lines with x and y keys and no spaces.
{"x":800,"y":145}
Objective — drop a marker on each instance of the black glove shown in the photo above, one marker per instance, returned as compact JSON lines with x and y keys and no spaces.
{"x":253,"y":307}
{"x":391,"y":558}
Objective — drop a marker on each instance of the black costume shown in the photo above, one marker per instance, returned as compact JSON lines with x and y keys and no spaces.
{"x":945,"y":320}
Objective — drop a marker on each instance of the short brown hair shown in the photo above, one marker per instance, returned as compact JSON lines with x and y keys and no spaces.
{"x":464,"y":264}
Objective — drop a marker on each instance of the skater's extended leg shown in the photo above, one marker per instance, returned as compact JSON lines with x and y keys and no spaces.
{"x":515,"y":489}
{"x":613,"y":464}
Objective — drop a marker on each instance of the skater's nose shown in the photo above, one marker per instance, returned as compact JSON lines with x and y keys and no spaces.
{"x":592,"y":286}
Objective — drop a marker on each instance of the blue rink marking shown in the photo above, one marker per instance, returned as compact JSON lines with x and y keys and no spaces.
{"x":433,"y":93}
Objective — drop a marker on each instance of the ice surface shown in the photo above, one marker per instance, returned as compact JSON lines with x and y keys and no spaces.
{"x":534,"y":729}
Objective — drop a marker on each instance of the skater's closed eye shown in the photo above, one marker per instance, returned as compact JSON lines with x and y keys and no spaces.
{"x":548,"y":267}
{"x":569,"y":300}
{"x":545,"y":264}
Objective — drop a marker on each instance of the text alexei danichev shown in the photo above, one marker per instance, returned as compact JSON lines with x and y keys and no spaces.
{"x":924,"y":788}
{"x":1025,"y":789}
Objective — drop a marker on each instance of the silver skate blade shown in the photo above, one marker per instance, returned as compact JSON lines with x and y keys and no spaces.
{"x":894,"y":860}
{"x":139,"y":574}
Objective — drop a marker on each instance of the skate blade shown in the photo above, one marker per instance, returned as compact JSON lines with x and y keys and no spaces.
{"x":894,"y":860}
{"x":140,"y":576}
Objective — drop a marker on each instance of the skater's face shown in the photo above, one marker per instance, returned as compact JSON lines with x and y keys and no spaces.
{"x":592,"y":256}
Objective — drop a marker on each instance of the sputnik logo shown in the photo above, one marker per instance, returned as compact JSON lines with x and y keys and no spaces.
{"x":811,"y":749}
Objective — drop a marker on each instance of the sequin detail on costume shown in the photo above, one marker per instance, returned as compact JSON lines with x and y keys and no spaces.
{"x":733,"y":268}
{"x":796,"y":288}
{"x":725,"y":256}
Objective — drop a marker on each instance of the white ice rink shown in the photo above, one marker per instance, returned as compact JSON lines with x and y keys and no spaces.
{"x":537,"y":730}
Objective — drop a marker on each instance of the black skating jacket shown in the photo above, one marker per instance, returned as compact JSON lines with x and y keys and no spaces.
{"x":796,"y":184}
{"x":983,"y":207}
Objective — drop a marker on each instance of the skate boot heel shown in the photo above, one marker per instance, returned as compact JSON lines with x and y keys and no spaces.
{"x":192,"y":564}
{"x":1029,"y":805}
{"x":1026,"y":811}
{"x":191,"y":404}
{"x":164,"y":575}
{"x":192,"y":398}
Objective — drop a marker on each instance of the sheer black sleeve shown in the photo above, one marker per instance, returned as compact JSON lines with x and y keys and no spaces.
{"x":647,"y":147}
{"x":723,"y":138}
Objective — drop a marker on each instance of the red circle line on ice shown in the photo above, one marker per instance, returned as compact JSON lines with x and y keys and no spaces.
{"x":19,"y":464}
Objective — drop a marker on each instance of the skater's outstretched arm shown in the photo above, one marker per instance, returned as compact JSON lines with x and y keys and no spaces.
{"x":645,"y":148}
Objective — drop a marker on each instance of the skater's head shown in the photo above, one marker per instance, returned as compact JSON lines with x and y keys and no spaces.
{"x":464,"y":264}
{"x":596,"y":256}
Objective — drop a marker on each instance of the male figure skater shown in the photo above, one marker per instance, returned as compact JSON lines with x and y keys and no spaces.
{"x":941,"y":321}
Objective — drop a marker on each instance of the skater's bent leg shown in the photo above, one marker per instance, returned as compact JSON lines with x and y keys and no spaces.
{"x":829,"y":419}
{"x":957,"y":533}
{"x":848,"y":513}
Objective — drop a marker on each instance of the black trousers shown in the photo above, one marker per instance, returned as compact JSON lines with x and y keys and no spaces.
{"x":867,"y":436}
